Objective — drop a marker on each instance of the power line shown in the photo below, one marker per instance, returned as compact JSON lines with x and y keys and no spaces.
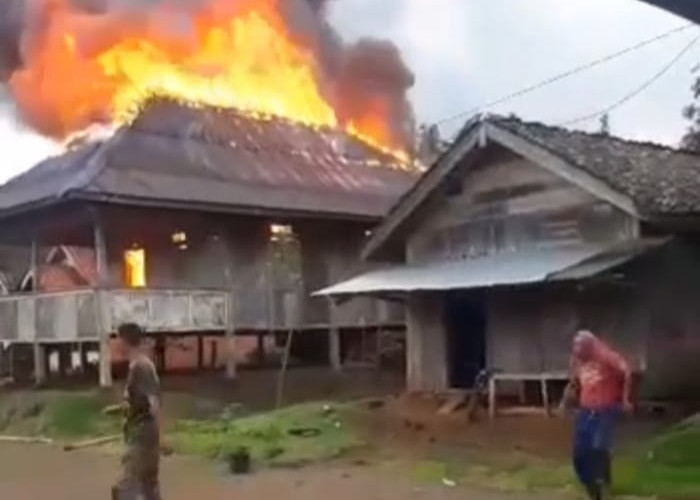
{"x":566,"y":74}
{"x":635,"y":92}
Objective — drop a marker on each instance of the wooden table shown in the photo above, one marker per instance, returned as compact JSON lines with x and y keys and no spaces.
{"x":543,"y":378}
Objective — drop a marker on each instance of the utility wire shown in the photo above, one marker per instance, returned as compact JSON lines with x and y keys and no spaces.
{"x":635,"y":92}
{"x":566,"y":74}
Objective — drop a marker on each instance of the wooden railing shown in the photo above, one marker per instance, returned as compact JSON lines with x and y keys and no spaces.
{"x":74,"y":315}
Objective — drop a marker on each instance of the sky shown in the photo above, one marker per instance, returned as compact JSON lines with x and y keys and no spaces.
{"x":468,"y":52}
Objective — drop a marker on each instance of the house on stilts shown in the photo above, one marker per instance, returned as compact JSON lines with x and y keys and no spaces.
{"x":194,"y":222}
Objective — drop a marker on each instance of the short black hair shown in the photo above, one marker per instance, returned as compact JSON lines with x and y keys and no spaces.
{"x":130,"y":333}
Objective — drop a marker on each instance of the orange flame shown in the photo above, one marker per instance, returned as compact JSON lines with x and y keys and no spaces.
{"x":83,"y":69}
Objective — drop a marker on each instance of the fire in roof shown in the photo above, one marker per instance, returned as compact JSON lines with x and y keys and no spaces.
{"x":88,"y":61}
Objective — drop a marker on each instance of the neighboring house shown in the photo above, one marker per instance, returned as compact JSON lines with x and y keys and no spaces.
{"x":64,"y":268}
{"x":198,"y":222}
{"x":521,"y":233}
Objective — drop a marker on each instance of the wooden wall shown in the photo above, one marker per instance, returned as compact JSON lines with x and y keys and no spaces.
{"x":650,"y":314}
{"x":426,"y":341}
{"x":506,"y":204}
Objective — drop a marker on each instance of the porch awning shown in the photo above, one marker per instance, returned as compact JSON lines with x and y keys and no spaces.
{"x":506,"y":268}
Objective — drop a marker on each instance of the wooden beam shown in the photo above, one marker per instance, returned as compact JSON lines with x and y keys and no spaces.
{"x":334,"y":353}
{"x":40,"y":372}
{"x":102,"y":316}
{"x":230,"y":339}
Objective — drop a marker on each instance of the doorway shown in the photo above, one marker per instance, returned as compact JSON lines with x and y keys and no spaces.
{"x":465,"y":322}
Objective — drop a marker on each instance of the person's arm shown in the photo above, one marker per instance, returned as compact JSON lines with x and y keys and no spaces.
{"x":571,"y":389}
{"x":618,"y":363}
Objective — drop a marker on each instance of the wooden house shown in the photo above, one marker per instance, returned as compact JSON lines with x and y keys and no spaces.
{"x":521,"y":233}
{"x":194,"y":221}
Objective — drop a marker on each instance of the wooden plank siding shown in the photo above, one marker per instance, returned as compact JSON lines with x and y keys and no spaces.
{"x":513,"y":204}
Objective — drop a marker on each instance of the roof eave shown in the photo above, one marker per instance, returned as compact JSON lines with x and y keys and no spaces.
{"x":116,"y":199}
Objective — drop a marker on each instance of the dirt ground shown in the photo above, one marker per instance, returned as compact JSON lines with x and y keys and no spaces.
{"x":37,"y":472}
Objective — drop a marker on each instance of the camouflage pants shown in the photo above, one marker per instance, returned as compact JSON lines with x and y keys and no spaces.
{"x":140,"y":467}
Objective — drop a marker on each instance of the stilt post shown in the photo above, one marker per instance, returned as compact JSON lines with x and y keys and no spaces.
{"x":104,"y":326}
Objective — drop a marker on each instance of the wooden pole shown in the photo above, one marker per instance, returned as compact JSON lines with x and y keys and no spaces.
{"x":103,"y":321}
{"x":334,"y":355}
{"x":200,"y":352}
{"x":39,"y":350}
{"x":230,"y":339}
{"x":283,"y":369}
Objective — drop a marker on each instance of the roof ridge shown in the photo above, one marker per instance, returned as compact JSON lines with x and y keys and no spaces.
{"x":496,"y":118}
{"x":385,"y":160}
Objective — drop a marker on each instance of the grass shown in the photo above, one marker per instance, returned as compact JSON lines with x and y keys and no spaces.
{"x":270,"y":437}
{"x":666,"y":467}
{"x":56,"y":414}
{"x":669,"y":466}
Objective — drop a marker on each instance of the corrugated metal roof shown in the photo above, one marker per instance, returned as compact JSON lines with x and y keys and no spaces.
{"x":505,"y":268}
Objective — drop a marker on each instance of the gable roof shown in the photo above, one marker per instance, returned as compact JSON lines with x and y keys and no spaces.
{"x":220,"y":159}
{"x":645,"y":180}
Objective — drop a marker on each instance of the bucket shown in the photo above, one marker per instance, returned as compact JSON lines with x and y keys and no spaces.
{"x":239,"y":461}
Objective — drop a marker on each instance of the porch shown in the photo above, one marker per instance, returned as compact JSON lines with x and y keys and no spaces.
{"x":91,"y":315}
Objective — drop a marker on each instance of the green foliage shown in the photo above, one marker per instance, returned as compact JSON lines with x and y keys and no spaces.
{"x":668,"y":466}
{"x":270,"y":437}
{"x":56,"y":414}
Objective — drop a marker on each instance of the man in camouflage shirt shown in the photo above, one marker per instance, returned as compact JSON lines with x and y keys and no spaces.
{"x":142,"y":427}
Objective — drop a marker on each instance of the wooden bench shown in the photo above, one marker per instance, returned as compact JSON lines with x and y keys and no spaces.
{"x":544,"y":378}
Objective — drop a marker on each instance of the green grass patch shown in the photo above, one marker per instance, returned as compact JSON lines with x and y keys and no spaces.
{"x":668,"y":467}
{"x":56,"y":414}
{"x":271,"y":438}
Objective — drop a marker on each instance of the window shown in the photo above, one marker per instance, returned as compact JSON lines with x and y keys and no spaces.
{"x":135,"y":267}
{"x":179,"y":239}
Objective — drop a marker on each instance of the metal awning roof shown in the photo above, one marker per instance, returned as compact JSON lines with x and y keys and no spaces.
{"x":506,"y":268}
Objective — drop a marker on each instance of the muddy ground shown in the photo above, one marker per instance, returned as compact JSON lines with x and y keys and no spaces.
{"x":37,"y":472}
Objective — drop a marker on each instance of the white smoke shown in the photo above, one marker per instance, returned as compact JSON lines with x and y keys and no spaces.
{"x":22,"y":147}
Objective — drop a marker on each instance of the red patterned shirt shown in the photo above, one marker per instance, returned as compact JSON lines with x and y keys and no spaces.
{"x":601,"y":378}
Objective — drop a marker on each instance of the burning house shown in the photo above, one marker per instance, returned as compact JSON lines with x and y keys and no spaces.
{"x":249,"y":153}
{"x":519,"y":234}
{"x":200,"y":220}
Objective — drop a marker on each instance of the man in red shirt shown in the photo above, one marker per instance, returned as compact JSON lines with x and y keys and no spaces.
{"x":601,"y":379}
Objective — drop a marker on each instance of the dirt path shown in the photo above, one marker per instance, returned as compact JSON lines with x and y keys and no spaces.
{"x":40,"y":473}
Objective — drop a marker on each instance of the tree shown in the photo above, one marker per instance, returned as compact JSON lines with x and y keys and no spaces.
{"x":691,"y":139}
